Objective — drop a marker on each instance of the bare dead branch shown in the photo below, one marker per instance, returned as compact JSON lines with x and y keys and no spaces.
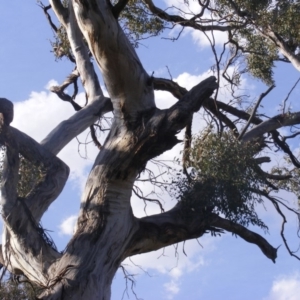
{"x":288,"y":95}
{"x":170,"y":86}
{"x":285,"y":147}
{"x":69,"y":129}
{"x":135,"y":188}
{"x":45,"y":9}
{"x":94,"y":137}
{"x":277,"y":177}
{"x":188,"y":22}
{"x":60,"y":90}
{"x":261,"y":97}
{"x":282,"y":226}
{"x":212,"y":106}
{"x":63,"y":19}
{"x":263,"y":159}
{"x":57,"y":172}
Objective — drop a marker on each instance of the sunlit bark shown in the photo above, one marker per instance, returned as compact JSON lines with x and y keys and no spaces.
{"x":106,"y":231}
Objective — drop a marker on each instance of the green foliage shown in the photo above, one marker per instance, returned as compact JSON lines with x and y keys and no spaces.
{"x":224,"y":178}
{"x":261,"y":57}
{"x":29,"y":176}
{"x":290,"y":184}
{"x":285,"y":21}
{"x":11,"y":290}
{"x":61,"y":45}
{"x":259,"y":17}
{"x":138,"y":23}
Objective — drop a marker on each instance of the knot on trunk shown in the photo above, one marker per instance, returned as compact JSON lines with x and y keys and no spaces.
{"x":7,"y":110}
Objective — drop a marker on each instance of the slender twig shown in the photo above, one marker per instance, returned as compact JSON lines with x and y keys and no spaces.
{"x":288,"y":95}
{"x":261,"y":97}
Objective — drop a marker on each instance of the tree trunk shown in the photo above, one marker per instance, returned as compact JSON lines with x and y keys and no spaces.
{"x":106,"y":231}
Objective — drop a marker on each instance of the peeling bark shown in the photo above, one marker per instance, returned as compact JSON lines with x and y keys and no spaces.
{"x":106,"y":231}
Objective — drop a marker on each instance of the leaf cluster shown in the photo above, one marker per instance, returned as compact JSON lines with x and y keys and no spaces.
{"x":261,"y":17}
{"x":291,"y":184}
{"x":138,"y":23}
{"x":61,"y":46}
{"x":12,"y":290}
{"x":224,"y":177}
{"x":29,"y":176}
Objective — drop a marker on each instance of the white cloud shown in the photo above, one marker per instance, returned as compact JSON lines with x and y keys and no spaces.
{"x":164,"y":99}
{"x":189,"y":81}
{"x":43,"y":111}
{"x":51,"y":83}
{"x":183,"y":8}
{"x":68,"y":225}
{"x":286,"y":287}
{"x":172,"y":288}
{"x":188,"y":9}
{"x":173,"y":262}
{"x":202,"y":40}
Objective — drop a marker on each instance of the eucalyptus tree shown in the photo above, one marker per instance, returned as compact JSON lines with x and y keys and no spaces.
{"x":214,"y":197}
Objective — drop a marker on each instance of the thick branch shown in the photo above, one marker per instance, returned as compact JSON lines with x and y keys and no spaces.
{"x":263,"y":159}
{"x":98,"y":104}
{"x":60,"y":11}
{"x":117,"y":9}
{"x":160,"y":132}
{"x":232,"y":110}
{"x":285,"y":148}
{"x":170,"y":86}
{"x":283,"y":48}
{"x":10,"y":169}
{"x":274,"y":123}
{"x":191,"y":102}
{"x":22,"y":233}
{"x":158,"y":231}
{"x":60,"y":90}
{"x":56,"y":171}
{"x":247,"y":235}
{"x":211,"y":104}
{"x":81,"y":53}
{"x":61,"y":135}
{"x":128,"y":84}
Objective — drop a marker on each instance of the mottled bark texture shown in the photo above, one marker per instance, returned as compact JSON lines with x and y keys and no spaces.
{"x":107,"y":232}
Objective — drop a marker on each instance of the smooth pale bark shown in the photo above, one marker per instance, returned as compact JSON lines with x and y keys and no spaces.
{"x":287,"y":119}
{"x":106,"y":231}
{"x":283,"y":48}
{"x":128,"y":84}
{"x":65,"y":131}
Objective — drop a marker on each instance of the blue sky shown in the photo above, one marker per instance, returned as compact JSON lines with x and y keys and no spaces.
{"x":223,"y":267}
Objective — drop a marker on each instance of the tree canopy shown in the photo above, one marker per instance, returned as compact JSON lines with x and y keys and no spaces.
{"x":220,"y":178}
